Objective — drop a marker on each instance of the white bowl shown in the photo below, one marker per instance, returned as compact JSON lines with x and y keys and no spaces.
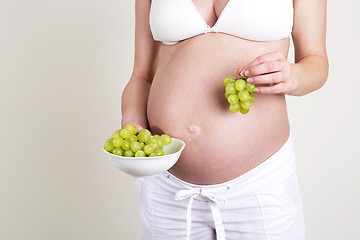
{"x":148,"y":166}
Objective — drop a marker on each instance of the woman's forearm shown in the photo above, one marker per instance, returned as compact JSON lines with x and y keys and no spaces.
{"x":310,"y":74}
{"x":134,"y":102}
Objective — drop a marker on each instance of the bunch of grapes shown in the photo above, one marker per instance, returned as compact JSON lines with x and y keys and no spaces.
{"x":128,"y":143}
{"x":239,"y":93}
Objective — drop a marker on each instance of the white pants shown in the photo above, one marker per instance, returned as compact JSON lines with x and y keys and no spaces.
{"x":262,"y":204}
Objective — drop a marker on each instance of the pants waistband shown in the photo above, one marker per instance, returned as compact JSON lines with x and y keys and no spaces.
{"x":281,"y":163}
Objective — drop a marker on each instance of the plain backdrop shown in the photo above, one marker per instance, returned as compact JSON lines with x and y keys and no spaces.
{"x":63,"y":67}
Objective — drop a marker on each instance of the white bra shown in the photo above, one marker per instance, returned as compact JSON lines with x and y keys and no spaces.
{"x":172,"y":21}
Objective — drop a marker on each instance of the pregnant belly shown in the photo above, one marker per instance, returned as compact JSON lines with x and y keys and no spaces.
{"x":187,"y":101}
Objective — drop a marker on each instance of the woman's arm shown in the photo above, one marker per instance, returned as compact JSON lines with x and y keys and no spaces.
{"x":135,"y":95}
{"x":273,"y":74}
{"x":309,"y":35}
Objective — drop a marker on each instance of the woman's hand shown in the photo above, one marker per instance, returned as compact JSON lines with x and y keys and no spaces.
{"x":270,"y":73}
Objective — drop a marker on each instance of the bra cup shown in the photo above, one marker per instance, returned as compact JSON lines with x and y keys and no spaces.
{"x":258,"y":20}
{"x":174,"y":20}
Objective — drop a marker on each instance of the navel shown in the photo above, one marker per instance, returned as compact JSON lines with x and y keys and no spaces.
{"x":193,"y":129}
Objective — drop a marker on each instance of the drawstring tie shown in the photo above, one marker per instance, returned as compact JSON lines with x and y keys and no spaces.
{"x":198,"y":191}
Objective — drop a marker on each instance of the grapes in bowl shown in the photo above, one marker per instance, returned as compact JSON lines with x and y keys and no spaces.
{"x":153,"y":155}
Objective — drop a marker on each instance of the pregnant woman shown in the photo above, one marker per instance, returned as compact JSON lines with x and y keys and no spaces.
{"x":236,"y":178}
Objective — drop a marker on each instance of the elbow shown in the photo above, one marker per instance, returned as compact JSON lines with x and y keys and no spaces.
{"x":325,"y":72}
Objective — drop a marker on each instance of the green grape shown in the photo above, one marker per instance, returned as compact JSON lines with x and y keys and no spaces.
{"x":109,"y":146}
{"x":118,"y":141}
{"x":240,"y":84}
{"x":143,"y":137}
{"x":243,"y":110}
{"x":233,"y":98}
{"x":243,"y":95}
{"x":115,"y":134}
{"x":234,"y":108}
{"x":245,"y":105}
{"x":133,"y":138}
{"x":129,"y":153}
{"x":118,"y":151}
{"x":148,"y":149}
{"x":135,"y":146}
{"x":153,"y":154}
{"x":145,"y":131}
{"x":251,"y":98}
{"x":228,"y":80}
{"x":250,"y":87}
{"x":152,"y":140}
{"x":159,"y":152}
{"x":159,"y":145}
{"x":155,"y":145}
{"x":166,"y":139}
{"x":126,"y":144}
{"x":140,"y":153}
{"x":157,"y":137}
{"x":124,"y":133}
{"x":131,"y":128}
{"x":230,"y":88}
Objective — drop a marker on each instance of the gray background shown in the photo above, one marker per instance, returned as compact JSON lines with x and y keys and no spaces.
{"x":63,"y":66}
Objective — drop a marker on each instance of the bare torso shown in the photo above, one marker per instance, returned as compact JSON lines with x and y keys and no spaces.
{"x":187,"y":101}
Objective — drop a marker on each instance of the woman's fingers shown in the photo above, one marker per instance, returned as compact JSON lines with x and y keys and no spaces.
{"x":271,"y":73}
{"x":267,"y":57}
{"x":265,"y":68}
{"x":278,"y":88}
{"x":263,"y":59}
{"x":275,"y":77}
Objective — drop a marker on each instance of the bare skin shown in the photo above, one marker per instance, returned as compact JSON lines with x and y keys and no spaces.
{"x":178,"y":90}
